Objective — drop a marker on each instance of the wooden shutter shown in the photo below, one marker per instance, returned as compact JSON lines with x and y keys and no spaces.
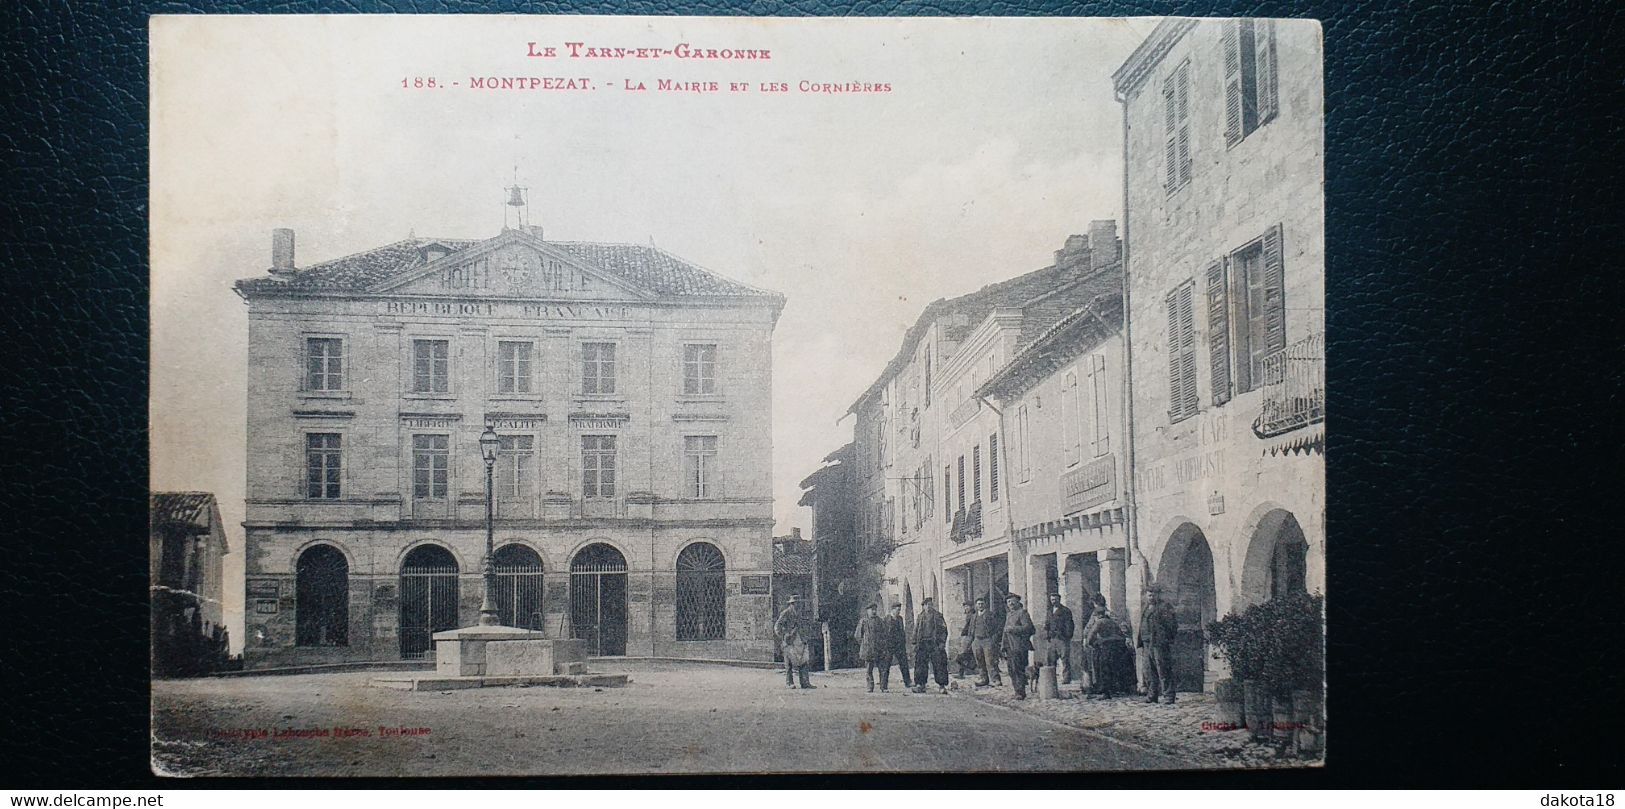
{"x":1274,"y":292}
{"x":1187,"y":339}
{"x":1172,"y":305}
{"x":1240,"y":335}
{"x":1182,"y":92}
{"x":1102,"y":434}
{"x":1264,"y":47}
{"x":1232,"y":82}
{"x":1218,"y":332}
{"x":1170,"y":129}
{"x":1181,"y":354}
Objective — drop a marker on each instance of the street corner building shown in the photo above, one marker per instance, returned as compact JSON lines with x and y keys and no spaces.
{"x":985,"y":451}
{"x":1224,"y":244}
{"x":186,"y":552}
{"x":631,"y":491}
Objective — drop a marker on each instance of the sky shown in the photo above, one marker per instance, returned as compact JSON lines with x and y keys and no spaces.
{"x":997,"y":139}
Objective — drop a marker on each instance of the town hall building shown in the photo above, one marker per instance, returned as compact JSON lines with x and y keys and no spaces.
{"x":631,"y":490}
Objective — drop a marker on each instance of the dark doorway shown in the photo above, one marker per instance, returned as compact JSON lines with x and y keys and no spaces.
{"x":598,"y":599}
{"x":428,"y":598}
{"x":702,"y":593}
{"x":322,"y":598}
{"x":1195,"y":606}
{"x":519,"y":587}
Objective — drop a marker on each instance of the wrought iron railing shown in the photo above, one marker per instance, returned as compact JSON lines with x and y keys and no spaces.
{"x":1294,"y":385}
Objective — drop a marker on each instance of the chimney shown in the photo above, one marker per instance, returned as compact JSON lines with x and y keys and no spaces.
{"x":282,"y":251}
{"x":796,"y":534}
{"x":1074,"y":254}
{"x":1103,"y":245}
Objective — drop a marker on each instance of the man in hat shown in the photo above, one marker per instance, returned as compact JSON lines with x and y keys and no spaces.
{"x":985,"y":630}
{"x":930,"y":646}
{"x":796,"y":633}
{"x":897,"y":645}
{"x":871,"y":636}
{"x":1058,"y":630}
{"x":1158,"y":625}
{"x":1018,"y":642}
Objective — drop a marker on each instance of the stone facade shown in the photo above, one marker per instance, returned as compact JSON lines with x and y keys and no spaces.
{"x":1062,"y":403}
{"x":375,"y":453}
{"x":1224,"y":244}
{"x":935,"y":455}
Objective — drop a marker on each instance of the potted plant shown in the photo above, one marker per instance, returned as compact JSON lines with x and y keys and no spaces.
{"x":1276,"y":650}
{"x":1242,"y":698}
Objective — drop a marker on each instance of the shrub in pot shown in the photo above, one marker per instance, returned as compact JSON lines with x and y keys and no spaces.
{"x":1274,"y":648}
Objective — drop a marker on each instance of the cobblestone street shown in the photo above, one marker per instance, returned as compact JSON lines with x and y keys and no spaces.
{"x":1177,"y":729}
{"x":672,"y":718}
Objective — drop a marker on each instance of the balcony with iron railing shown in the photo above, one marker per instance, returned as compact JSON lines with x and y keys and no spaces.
{"x":1294,"y":388}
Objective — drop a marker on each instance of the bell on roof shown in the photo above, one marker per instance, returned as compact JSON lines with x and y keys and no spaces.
{"x":516,"y":196}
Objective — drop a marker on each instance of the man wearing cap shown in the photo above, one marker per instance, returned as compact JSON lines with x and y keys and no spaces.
{"x":930,"y":646}
{"x":1158,"y":625}
{"x":871,"y":636}
{"x":795,"y":633}
{"x":1058,"y":630}
{"x":897,"y":645}
{"x":985,"y":630}
{"x":1018,"y":642}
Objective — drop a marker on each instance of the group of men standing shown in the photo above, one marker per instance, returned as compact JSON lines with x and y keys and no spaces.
{"x":987,"y":637}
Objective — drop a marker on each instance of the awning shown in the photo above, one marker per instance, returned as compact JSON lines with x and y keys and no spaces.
{"x":1310,"y":439}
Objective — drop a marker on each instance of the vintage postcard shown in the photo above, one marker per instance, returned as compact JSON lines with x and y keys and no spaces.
{"x":615,"y":395}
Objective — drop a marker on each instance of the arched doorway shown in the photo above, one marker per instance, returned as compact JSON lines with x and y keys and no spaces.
{"x":1276,"y":559}
{"x":1186,"y":574}
{"x":702,"y":593}
{"x":322,"y":598}
{"x":428,"y":598}
{"x":519,"y":587}
{"x":598,"y":599}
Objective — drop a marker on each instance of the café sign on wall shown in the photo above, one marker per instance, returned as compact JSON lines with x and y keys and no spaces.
{"x":1089,"y":485}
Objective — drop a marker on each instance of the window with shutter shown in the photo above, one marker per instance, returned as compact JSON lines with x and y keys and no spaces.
{"x":1183,"y":108}
{"x":1218,"y":332}
{"x":1250,"y":80}
{"x":1176,"y":128}
{"x":961,"y":483}
{"x":1181,"y":353}
{"x":1260,"y":284}
{"x":1274,"y":293}
{"x":993,"y":467}
{"x":976,"y":474}
{"x":1232,"y":82}
{"x":1102,"y":436}
{"x":1264,"y":43}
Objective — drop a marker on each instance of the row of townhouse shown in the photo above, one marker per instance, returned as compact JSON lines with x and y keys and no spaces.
{"x":1144,"y":411}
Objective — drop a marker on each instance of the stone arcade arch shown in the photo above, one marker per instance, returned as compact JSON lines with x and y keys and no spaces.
{"x":1276,"y":558}
{"x":519,"y":587}
{"x":1186,"y":574}
{"x":702,"y":593}
{"x":429,"y":597}
{"x":322,"y":597}
{"x":598,"y":599}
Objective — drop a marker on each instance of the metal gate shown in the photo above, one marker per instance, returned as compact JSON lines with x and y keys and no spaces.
{"x":598,"y":599}
{"x":428,"y":599}
{"x":702,"y":593}
{"x":519,"y":587}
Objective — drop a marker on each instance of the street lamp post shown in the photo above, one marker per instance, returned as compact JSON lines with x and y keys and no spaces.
{"x":489,"y":441}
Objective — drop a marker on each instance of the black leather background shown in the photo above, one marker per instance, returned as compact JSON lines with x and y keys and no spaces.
{"x":1474,"y":335}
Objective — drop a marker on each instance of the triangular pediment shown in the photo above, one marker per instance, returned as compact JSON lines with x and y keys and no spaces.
{"x":512,"y":265}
